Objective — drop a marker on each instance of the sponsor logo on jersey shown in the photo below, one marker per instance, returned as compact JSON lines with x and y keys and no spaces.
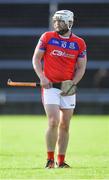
{"x":55,"y":41}
{"x":61,"y":53}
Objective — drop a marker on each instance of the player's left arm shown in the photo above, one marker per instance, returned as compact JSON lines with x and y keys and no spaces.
{"x":80,"y":69}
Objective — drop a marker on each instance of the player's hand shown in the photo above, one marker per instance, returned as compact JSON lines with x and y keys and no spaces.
{"x":45,"y":83}
{"x":68,"y":88}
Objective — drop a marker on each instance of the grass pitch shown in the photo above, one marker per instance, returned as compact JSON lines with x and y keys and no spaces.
{"x":23,"y":152}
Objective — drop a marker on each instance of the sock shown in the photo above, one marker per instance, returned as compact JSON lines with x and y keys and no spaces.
{"x":50,"y":155}
{"x":61,"y":158}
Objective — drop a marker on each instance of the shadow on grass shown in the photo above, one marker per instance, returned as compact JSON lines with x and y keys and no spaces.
{"x":104,"y":167}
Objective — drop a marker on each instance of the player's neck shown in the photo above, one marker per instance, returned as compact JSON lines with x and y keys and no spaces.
{"x":66,"y":35}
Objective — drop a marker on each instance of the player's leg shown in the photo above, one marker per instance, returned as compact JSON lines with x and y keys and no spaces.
{"x":53,"y":115}
{"x":51,"y":103}
{"x":63,"y":135}
{"x":67,"y":109}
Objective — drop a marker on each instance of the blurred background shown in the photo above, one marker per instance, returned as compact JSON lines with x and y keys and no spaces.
{"x":21,"y":24}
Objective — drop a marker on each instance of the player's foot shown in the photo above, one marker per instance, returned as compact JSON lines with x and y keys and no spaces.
{"x":63,"y":165}
{"x":50,"y":164}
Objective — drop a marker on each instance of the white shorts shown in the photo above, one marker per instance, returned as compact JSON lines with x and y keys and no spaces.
{"x":52,"y":96}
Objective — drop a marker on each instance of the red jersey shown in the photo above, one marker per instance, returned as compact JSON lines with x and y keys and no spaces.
{"x":61,"y":55}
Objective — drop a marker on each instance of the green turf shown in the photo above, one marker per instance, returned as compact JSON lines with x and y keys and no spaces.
{"x":23,"y":152}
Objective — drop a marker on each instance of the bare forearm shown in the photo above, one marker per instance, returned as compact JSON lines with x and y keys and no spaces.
{"x":44,"y":81}
{"x":78,"y":75}
{"x":37,"y":68}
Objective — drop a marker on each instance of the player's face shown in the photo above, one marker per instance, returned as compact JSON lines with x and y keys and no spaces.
{"x":59,"y":25}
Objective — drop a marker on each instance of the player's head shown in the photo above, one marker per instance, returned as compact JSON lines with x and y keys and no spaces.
{"x":65,"y":16}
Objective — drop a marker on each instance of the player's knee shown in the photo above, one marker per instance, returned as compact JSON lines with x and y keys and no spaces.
{"x":64,"y":127}
{"x":53,"y":123}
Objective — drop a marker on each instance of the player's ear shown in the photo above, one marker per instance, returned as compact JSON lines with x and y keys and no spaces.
{"x":70,"y":24}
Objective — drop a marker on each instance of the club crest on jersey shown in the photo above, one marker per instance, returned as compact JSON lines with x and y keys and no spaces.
{"x":72,"y":45}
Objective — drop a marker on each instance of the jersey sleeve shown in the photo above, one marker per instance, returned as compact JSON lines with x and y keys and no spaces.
{"x":42,"y":43}
{"x":82,"y":51}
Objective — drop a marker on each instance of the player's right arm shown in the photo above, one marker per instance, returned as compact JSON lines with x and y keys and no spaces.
{"x":37,"y":65}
